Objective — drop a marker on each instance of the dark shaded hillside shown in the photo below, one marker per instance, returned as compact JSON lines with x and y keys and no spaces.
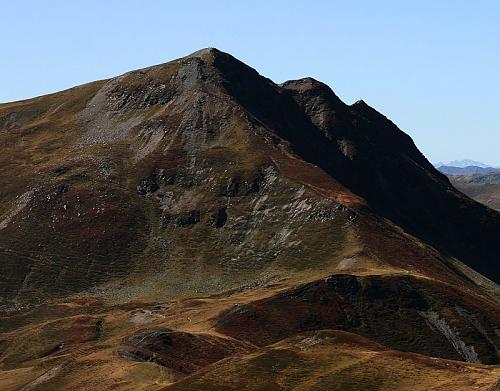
{"x":382,"y":164}
{"x":394,"y":311}
{"x":368,"y":154}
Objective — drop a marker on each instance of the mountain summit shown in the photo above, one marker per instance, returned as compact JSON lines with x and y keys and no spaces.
{"x":192,"y":211}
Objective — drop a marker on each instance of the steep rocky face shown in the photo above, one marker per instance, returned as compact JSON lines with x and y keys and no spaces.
{"x":198,"y":204}
{"x":368,"y":154}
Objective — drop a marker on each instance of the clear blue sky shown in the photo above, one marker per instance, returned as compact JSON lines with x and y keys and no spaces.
{"x":433,"y":67}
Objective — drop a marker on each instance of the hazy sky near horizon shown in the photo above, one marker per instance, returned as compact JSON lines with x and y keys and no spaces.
{"x":433,"y":67}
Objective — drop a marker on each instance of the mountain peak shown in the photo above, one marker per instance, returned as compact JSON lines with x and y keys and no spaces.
{"x":304,"y":83}
{"x":193,"y":211}
{"x":316,"y":91}
{"x":362,"y":107}
{"x":210,"y":101}
{"x":360,"y":103}
{"x":206,"y":52}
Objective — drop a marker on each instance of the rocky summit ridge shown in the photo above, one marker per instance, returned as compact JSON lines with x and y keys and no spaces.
{"x":194,"y":218}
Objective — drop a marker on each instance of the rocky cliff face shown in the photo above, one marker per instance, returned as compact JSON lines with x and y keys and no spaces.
{"x":152,"y":203}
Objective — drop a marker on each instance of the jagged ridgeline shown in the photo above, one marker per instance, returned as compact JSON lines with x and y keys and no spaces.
{"x":196,"y":202}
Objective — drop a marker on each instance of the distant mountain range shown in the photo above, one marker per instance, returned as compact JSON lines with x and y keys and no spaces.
{"x":475,"y":179}
{"x":469,"y":170}
{"x":465,"y":167}
{"x":463,"y":163}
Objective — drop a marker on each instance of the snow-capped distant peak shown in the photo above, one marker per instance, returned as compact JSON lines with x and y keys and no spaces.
{"x":462,"y":163}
